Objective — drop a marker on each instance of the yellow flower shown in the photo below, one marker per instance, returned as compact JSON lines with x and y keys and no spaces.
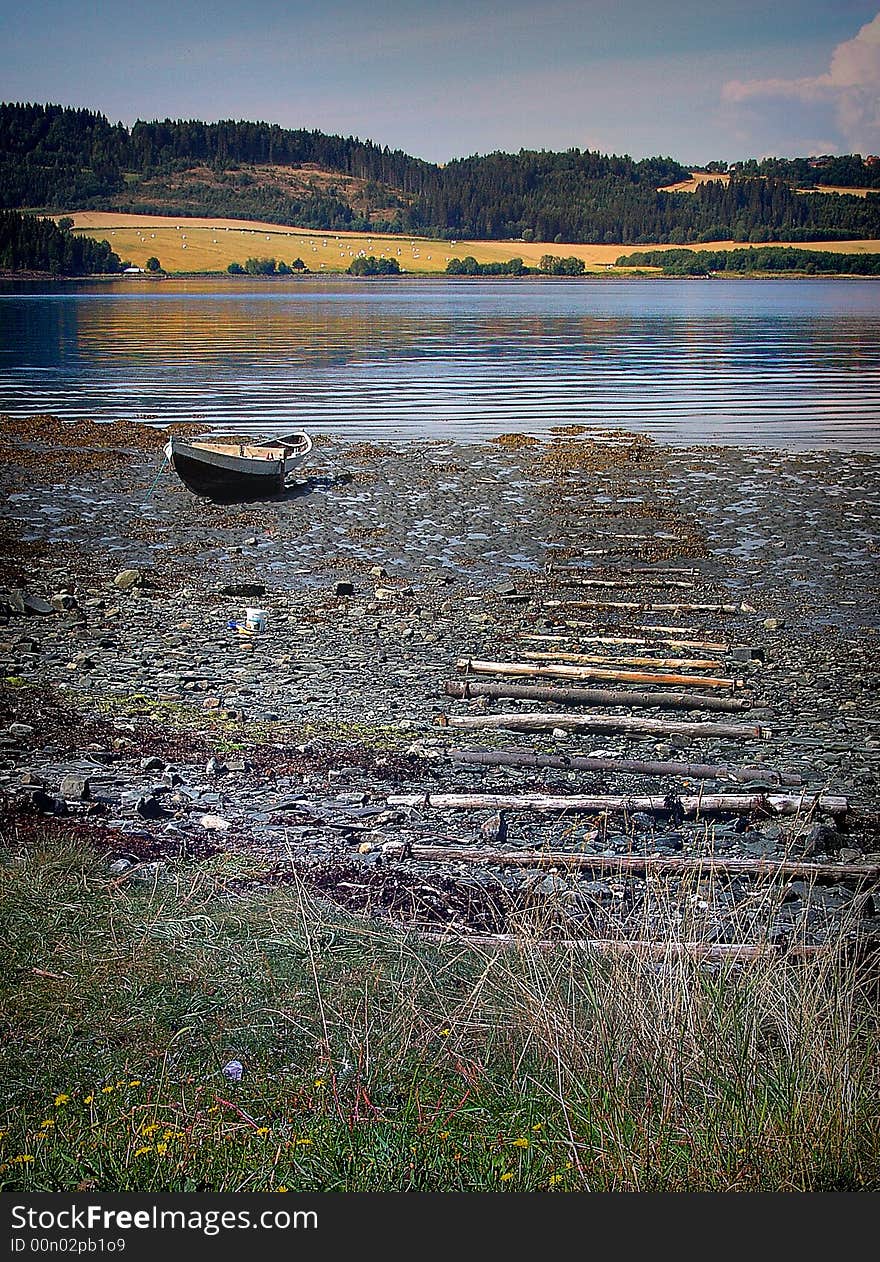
{"x":23,"y":1160}
{"x":90,"y":1099}
{"x":135,"y":1082}
{"x":537,"y":1127}
{"x":147,"y":1148}
{"x":443,"y":1135}
{"x":319,"y":1082}
{"x":507,"y":1176}
{"x":106,"y":1090}
{"x":161,"y":1149}
{"x":215,"y":1108}
{"x":445,"y":1033}
{"x":522,"y":1142}
{"x":281,"y":1188}
{"x":47,"y":1124}
{"x":61,"y":1099}
{"x":151,"y":1129}
{"x":305,"y":1141}
{"x":262,"y":1130}
{"x":119,"y":1084}
{"x":555,"y":1178}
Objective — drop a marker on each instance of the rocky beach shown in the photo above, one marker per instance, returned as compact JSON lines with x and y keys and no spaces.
{"x":336,"y":748}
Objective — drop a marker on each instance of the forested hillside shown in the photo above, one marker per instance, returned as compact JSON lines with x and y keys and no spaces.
{"x":54,"y":158}
{"x":30,"y":244}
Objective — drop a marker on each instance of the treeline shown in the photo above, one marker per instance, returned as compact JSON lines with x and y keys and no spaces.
{"x":469,"y":266}
{"x":849,"y":170}
{"x":266,"y":267}
{"x":760,"y":259}
{"x":53,"y":157}
{"x":371,"y":266}
{"x":29,"y":244}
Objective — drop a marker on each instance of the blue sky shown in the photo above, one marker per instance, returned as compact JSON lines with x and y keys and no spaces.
{"x":697,"y":80}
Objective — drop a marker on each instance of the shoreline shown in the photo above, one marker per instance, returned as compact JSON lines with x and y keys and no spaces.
{"x":384,"y":568}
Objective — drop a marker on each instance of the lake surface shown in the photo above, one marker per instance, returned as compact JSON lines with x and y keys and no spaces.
{"x":787,"y":364}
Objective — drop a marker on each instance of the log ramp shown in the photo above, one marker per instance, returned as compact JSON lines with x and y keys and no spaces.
{"x":634,"y":667}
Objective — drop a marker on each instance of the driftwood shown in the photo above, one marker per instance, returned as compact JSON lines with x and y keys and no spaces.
{"x":827,"y":873}
{"x":604,"y":723}
{"x":593,"y":696}
{"x":708,"y":645}
{"x":662,"y":663}
{"x":649,"y":581}
{"x":574,"y":762}
{"x":629,"y":570}
{"x":701,"y":804}
{"x":706,"y":952}
{"x":639,"y":605}
{"x":472,"y":666}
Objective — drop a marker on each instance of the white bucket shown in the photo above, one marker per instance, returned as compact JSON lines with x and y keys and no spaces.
{"x":255,"y":619}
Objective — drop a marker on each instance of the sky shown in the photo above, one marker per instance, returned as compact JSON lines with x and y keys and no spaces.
{"x":695,"y":79}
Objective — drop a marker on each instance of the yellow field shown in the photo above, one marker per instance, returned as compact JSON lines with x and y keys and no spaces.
{"x":704,"y":177}
{"x":210,"y":245}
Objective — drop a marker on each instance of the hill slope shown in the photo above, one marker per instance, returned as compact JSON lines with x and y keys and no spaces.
{"x":56,"y":159}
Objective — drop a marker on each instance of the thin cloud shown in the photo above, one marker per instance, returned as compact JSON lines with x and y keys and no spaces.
{"x":850,"y":88}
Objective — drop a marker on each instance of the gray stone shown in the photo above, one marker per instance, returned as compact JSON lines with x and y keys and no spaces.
{"x":75,"y":789}
{"x":37,"y":605}
{"x":125,"y":580}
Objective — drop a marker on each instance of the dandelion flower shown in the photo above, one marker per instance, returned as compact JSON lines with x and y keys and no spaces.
{"x":140,"y":1151}
{"x":443,"y":1135}
{"x":539,"y":1126}
{"x":507,"y":1176}
{"x":150,"y":1129}
{"x":445,"y":1033}
{"x":135,"y":1082}
{"x":319,"y":1082}
{"x":106,"y":1090}
{"x":161,"y":1149}
{"x":305,"y":1141}
{"x":24,"y":1160}
{"x":522,"y":1142}
{"x":281,"y":1188}
{"x":262,"y":1130}
{"x":555,"y":1178}
{"x":90,"y":1099}
{"x":47,"y":1124}
{"x":61,"y":1099}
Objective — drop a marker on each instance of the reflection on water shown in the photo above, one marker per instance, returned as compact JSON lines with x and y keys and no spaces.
{"x":779,"y":363}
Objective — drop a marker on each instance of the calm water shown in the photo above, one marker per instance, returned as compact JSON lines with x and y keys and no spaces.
{"x":773,"y":363}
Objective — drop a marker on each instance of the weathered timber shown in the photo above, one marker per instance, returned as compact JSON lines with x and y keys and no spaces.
{"x":661,"y":663}
{"x":576,"y":762}
{"x":649,"y":581}
{"x":637,"y":606}
{"x":662,"y":952}
{"x":604,"y":723}
{"x":701,"y":804}
{"x":468,"y":688}
{"x":472,"y":666}
{"x":643,"y":865}
{"x":708,"y":646}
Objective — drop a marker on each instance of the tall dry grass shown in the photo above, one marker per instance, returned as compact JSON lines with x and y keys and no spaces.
{"x":374,"y":1059}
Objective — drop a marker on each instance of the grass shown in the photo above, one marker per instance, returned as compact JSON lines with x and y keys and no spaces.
{"x":375,"y":1061}
{"x":212,"y":244}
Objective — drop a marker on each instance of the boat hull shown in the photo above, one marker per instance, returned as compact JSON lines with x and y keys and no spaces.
{"x":226,"y":484}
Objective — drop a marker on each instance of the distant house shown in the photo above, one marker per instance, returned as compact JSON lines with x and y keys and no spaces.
{"x":132,"y":271}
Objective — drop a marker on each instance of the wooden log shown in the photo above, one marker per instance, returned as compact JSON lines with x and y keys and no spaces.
{"x":637,"y":606}
{"x":646,"y":865}
{"x":472,"y":666}
{"x":468,"y":688}
{"x":662,"y":663}
{"x":661,"y":952}
{"x":605,"y":723}
{"x":649,"y":581}
{"x":576,"y":762}
{"x":709,"y":646}
{"x":701,"y":804}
